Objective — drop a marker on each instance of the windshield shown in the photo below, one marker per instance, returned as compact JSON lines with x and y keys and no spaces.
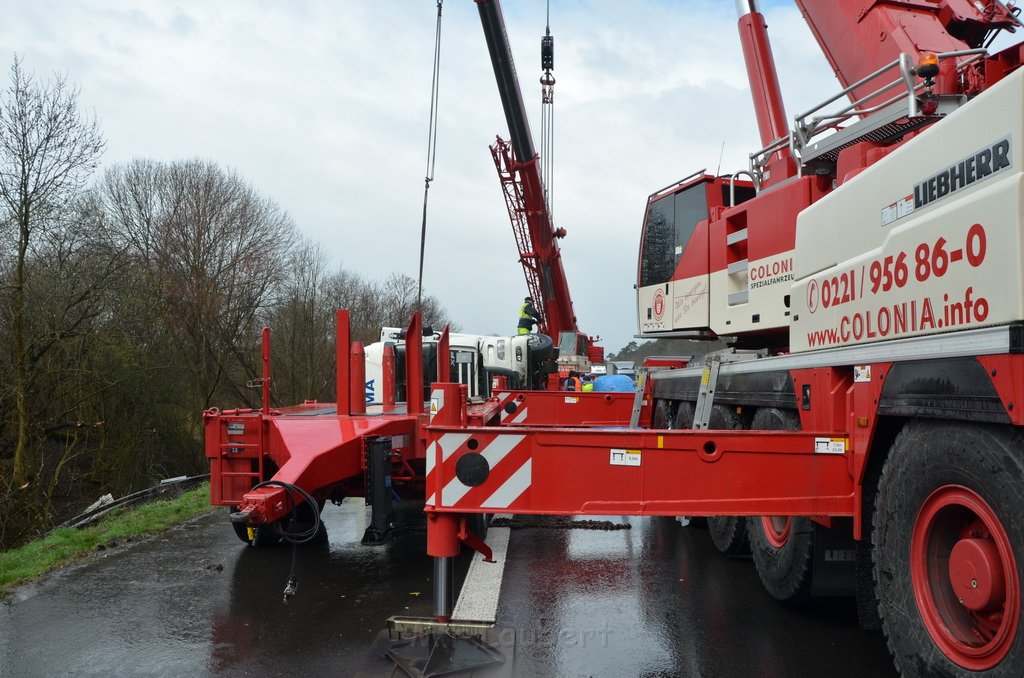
{"x":670,"y":222}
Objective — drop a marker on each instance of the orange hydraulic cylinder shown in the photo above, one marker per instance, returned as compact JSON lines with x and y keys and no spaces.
{"x":764,"y":80}
{"x":764,"y":83}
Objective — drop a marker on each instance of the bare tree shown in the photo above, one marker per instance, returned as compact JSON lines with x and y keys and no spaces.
{"x":48,"y":149}
{"x":216,"y":251}
{"x":400,"y":301}
{"x":302,"y":319}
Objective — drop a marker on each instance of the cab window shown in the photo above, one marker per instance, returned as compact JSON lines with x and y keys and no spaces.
{"x":670,"y":223}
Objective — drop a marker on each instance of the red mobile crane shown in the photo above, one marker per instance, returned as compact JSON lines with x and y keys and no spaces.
{"x":875,"y":446}
{"x":523,"y":188}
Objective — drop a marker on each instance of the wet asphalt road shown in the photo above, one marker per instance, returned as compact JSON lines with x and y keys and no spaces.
{"x":658,"y":600}
{"x":652,"y":601}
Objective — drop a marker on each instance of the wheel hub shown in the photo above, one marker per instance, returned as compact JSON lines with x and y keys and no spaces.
{"x":776,"y":529}
{"x":964,"y":577}
{"x":976,"y":574}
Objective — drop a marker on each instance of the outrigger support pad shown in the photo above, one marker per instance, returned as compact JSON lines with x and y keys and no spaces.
{"x":429,"y":648}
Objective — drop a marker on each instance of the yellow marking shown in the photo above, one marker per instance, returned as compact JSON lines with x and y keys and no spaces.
{"x":661,"y":442}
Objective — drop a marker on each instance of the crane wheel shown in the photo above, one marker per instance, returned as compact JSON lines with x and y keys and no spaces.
{"x":728,"y":533}
{"x":949,"y":549}
{"x":661,"y":416}
{"x":782,"y":546}
{"x":684,"y":415}
{"x":477,"y":524}
{"x":256,"y":536}
{"x":683,"y":419}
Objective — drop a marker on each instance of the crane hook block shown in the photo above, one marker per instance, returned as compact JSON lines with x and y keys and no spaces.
{"x":547,"y":52}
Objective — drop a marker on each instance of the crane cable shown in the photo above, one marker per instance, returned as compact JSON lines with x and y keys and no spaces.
{"x":547,"y":124}
{"x":431,"y":148}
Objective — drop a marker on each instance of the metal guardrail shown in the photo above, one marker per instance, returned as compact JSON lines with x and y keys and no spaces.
{"x":163,"y":489}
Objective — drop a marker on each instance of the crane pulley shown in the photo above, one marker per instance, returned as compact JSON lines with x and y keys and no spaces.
{"x":547,"y":117}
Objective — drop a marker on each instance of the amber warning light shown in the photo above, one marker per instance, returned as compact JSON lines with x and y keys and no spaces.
{"x":928,"y":65}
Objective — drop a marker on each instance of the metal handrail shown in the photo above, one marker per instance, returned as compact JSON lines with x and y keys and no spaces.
{"x":804,"y":130}
{"x":807,"y":130}
{"x":732,"y":185}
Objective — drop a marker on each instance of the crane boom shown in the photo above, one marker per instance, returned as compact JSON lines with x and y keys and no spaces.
{"x":848,"y":34}
{"x":524,"y":187}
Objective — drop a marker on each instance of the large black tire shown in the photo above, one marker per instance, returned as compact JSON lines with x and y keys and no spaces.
{"x":683,"y":419}
{"x":241,"y":531}
{"x":782,"y":547}
{"x":477,"y":524}
{"x":542,"y":360}
{"x":303,"y":519}
{"x":684,"y":415}
{"x":783,"y":552}
{"x":261,"y":536}
{"x":661,"y":417}
{"x":949,"y":550}
{"x":728,"y":533}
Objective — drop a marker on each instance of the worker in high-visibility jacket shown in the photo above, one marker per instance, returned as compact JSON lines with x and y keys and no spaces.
{"x":588,"y":383}
{"x":528,"y":316}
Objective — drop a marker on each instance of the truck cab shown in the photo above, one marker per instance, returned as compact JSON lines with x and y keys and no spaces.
{"x":523,"y":360}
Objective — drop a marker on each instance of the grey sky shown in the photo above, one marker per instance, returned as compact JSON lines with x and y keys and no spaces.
{"x":323,"y":107}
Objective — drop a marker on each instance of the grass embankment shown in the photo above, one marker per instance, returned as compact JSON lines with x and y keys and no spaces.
{"x":68,"y":544}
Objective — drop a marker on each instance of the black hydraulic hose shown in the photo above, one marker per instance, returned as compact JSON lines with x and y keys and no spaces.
{"x":291,"y":587}
{"x":305,"y":535}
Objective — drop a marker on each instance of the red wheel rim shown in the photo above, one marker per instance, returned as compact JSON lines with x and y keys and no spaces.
{"x":965,"y":578}
{"x":776,"y":529}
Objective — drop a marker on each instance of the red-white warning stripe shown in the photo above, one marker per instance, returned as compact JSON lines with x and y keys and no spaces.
{"x":494,"y":453}
{"x":446,"y":444}
{"x":436,"y":407}
{"x":517,"y":416}
{"x":511,"y":469}
{"x":512,"y":488}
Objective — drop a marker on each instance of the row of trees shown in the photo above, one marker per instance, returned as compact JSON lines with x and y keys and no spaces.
{"x":133,"y":301}
{"x":693,"y":349}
